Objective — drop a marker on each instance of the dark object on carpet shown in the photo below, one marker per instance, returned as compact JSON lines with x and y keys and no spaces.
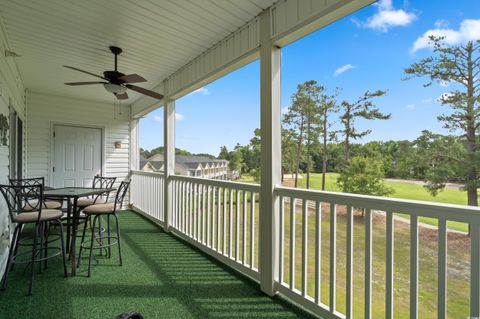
{"x":130,"y":315}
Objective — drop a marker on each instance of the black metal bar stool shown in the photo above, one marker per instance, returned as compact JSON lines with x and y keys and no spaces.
{"x":97,"y":211}
{"x":32,"y":205}
{"x":99,"y":182}
{"x":19,"y":199}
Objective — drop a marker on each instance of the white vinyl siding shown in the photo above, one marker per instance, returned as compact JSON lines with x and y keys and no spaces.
{"x":45,"y":110}
{"x":4,"y":172}
{"x":11,"y":94}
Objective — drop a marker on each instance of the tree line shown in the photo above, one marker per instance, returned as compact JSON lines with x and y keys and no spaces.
{"x":319,"y":132}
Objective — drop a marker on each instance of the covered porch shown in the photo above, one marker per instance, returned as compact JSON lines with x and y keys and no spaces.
{"x":197,"y":247}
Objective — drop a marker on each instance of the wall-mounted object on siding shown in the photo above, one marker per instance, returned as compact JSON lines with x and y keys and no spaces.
{"x":118,"y":144}
{"x":3,"y":130}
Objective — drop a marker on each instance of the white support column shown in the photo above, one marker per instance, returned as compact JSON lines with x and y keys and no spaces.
{"x":270,"y":126}
{"x":134,"y":153}
{"x":168,"y":158}
{"x":134,"y":146}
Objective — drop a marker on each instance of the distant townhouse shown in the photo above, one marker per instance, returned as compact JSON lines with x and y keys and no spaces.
{"x":190,"y":165}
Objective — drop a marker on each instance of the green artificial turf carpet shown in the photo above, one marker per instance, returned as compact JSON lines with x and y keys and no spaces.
{"x":161,"y":277}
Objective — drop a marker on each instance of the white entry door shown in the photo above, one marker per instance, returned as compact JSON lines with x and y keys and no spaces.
{"x":77,"y":156}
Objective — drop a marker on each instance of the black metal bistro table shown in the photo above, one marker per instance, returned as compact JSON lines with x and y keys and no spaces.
{"x":73,"y":194}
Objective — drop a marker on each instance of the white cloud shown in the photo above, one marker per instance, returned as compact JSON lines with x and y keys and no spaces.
{"x":179,"y":117}
{"x":387,"y":17}
{"x":469,"y":31}
{"x":441,"y":24}
{"x":202,"y":90}
{"x":427,"y":101}
{"x":444,"y":84}
{"x":285,"y":109}
{"x":157,"y":118}
{"x":343,"y":69}
{"x":411,"y":106}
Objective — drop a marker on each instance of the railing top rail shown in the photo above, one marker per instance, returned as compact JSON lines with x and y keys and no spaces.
{"x":218,"y":183}
{"x":155,"y":174}
{"x":460,"y":213}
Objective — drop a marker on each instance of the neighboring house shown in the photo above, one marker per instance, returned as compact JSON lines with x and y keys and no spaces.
{"x":190,"y":165}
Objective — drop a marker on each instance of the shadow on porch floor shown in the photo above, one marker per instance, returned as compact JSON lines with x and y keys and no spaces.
{"x":162,"y":277}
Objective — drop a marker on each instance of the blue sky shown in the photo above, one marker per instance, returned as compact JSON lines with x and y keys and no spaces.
{"x":364,"y":51}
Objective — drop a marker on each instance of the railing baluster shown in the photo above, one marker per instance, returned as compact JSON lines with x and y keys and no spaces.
{"x":442,"y":269}
{"x":194,"y":211}
{"x":179,"y":207}
{"x":179,"y":199}
{"x":157,"y":198}
{"x":237,"y":226}
{"x":304,"y":247}
{"x":183,"y":207}
{"x":368,"y":264}
{"x":318,"y":251}
{"x":292,"y":243}
{"x":333,"y":257}
{"x":210,"y":243}
{"x":413,"y":267}
{"x":192,"y":208}
{"x":349,"y":299}
{"x":187,"y":211}
{"x":252,"y":228}
{"x":230,"y":214}
{"x":389,"y":270}
{"x":175,"y":204}
{"x":474,"y":270}
{"x":217,"y":226}
{"x":281,"y":246}
{"x":224,"y":221}
{"x":204,"y":219}
{"x":244,"y":228}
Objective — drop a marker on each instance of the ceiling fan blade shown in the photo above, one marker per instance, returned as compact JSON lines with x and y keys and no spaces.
{"x":123,"y":96}
{"x":86,"y":72}
{"x":143,"y":91}
{"x":131,"y":78}
{"x":83,"y":83}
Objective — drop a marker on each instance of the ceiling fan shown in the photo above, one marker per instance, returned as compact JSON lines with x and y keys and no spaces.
{"x":116,"y":82}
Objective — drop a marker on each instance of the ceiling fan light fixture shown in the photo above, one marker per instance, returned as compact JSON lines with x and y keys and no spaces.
{"x":115,"y":88}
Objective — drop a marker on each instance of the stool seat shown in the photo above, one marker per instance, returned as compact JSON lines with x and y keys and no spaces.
{"x":84,"y":202}
{"x":99,"y":209}
{"x":47,"y":204}
{"x":30,"y":217}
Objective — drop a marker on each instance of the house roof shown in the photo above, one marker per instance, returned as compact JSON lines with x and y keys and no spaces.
{"x":157,"y":165}
{"x":188,"y":161}
{"x":143,"y":161}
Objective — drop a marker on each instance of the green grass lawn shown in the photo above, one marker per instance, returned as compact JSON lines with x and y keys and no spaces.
{"x":401,"y":190}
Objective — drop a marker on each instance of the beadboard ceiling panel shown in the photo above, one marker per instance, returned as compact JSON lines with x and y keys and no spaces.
{"x":157,"y":37}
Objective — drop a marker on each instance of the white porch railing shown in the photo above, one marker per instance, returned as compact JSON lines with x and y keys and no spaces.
{"x":315,"y":264}
{"x":146,"y":193}
{"x":303,"y":210}
{"x":220,"y":217}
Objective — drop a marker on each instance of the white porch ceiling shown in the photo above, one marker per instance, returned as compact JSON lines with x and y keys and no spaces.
{"x":157,"y":36}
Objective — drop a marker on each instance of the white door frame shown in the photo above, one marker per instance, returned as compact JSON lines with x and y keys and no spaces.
{"x":51,"y":155}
